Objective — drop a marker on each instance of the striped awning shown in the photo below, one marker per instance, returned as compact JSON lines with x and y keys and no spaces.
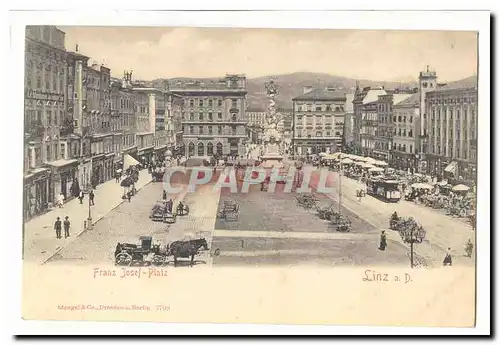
{"x":452,"y":168}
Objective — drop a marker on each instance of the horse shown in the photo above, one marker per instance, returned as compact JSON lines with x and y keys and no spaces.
{"x":186,"y":249}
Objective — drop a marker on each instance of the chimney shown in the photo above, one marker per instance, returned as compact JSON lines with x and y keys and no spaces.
{"x":307,"y":89}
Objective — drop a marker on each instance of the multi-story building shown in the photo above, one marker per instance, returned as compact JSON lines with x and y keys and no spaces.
{"x":349,"y":120}
{"x":256,"y":116}
{"x":318,"y":120}
{"x":46,"y":173}
{"x":384,"y":138}
{"x":287,"y":120}
{"x":406,"y":124}
{"x":214,"y":115}
{"x":123,"y":125}
{"x":145,"y":117}
{"x":452,"y":129}
{"x":365,"y":119}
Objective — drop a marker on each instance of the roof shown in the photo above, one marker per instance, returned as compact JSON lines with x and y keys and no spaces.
{"x":406,"y":99}
{"x":321,"y":95}
{"x":372,"y":96}
{"x":349,"y":107}
{"x":466,"y":83}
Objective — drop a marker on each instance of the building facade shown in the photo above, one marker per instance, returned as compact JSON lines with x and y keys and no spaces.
{"x":318,"y":120}
{"x":452,"y":129}
{"x":384,"y":138}
{"x":365,"y":122}
{"x":45,"y":114}
{"x":406,"y":133}
{"x":123,"y":124}
{"x":349,"y":120}
{"x":213,"y":116}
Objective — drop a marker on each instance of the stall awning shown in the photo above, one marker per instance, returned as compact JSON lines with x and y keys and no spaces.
{"x":451,"y":168}
{"x":129,"y":161}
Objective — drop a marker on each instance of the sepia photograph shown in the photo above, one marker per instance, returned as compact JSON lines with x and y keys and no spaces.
{"x":155,"y":157}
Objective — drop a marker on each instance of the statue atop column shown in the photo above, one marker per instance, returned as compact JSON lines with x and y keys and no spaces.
{"x":272,"y":137}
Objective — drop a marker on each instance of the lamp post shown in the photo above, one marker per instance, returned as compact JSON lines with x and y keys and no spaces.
{"x":411,"y":234}
{"x":340,"y":183}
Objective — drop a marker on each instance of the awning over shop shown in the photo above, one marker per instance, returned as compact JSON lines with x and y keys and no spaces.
{"x":452,"y":168}
{"x":129,"y":161}
{"x":62,"y":163}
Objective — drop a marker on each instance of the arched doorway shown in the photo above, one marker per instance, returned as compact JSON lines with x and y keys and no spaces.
{"x":201,"y":149}
{"x":190,"y":150}
{"x":210,"y":149}
{"x":219,"y":148}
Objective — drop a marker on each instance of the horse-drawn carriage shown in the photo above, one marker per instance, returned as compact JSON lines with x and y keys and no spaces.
{"x":147,"y":253}
{"x":182,"y":209}
{"x":230,"y":211}
{"x":162,"y":212}
{"x":401,"y":224}
{"x":307,"y":201}
{"x":128,"y":253}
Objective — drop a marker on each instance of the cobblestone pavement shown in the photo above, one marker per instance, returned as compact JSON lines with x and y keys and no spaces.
{"x":40,"y":240}
{"x":279,"y":211}
{"x":130,"y":220}
{"x":291,"y":251}
{"x":442,"y":230}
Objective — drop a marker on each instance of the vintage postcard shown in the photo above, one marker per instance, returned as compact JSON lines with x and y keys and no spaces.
{"x":251,"y":175}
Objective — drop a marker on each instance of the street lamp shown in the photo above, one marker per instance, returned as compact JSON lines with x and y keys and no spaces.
{"x":412,"y":233}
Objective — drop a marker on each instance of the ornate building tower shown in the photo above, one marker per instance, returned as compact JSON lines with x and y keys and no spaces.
{"x":427,"y":82}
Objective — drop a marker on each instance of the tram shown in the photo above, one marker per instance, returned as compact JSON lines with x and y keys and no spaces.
{"x":384,"y":189}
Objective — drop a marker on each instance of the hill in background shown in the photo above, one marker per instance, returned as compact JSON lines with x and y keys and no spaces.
{"x":291,"y":85}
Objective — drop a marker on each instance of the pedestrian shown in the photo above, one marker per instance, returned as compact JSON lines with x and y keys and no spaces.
{"x":129,"y":196}
{"x":447,"y":259}
{"x":67,"y":224}
{"x":383,"y":241}
{"x":91,"y":197}
{"x":117,"y":177}
{"x":57,"y":227}
{"x":61,"y":200}
{"x":164,"y":195}
{"x":80,"y":196}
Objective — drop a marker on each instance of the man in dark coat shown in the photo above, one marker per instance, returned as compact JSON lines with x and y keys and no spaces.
{"x":57,"y":227}
{"x":67,"y":224}
{"x":164,"y":195}
{"x":91,"y":196}
{"x":383,"y":241}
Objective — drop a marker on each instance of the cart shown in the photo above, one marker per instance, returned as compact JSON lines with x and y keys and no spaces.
{"x":230,"y":211}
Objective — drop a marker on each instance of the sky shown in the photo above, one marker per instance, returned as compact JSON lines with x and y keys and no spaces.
{"x":163,"y":52}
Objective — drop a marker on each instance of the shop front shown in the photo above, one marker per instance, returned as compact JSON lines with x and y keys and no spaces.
{"x":36,"y":192}
{"x":159,"y":153}
{"x":64,"y":178}
{"x":97,"y":176}
{"x":146,"y":155}
{"x":109,"y":167}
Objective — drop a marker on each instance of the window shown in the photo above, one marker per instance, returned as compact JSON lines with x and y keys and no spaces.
{"x":318,"y":108}
{"x":62,"y":150}
{"x":219,"y":116}
{"x":38,"y":81}
{"x":209,"y":129}
{"x":399,"y":131}
{"x":337,"y":134}
{"x":328,"y":133}
{"x":191,"y":115}
{"x":200,"y":116}
{"x":48,"y":154}
{"x":234,"y":103}
{"x":233,"y":129}
{"x":47,"y":81}
{"x":191,"y":129}
{"x":210,"y":103}
{"x":411,"y":148}
{"x":191,"y":102}
{"x":219,"y":129}
{"x":234,"y":117}
{"x":394,"y":119}
{"x":410,"y":119}
{"x":318,"y":133}
{"x":399,"y":118}
{"x":200,"y":103}
{"x":210,"y":116}
{"x":219,"y":102}
{"x":200,"y":129}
